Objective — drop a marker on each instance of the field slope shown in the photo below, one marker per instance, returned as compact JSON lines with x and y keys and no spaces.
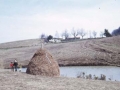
{"x":104,"y":51}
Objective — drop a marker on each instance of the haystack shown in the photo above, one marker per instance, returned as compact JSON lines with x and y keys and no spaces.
{"x":42,"y":63}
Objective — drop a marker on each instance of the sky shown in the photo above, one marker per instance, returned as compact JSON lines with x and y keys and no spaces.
{"x":28,"y":19}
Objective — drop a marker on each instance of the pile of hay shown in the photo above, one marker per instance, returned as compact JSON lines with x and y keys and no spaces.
{"x":42,"y":63}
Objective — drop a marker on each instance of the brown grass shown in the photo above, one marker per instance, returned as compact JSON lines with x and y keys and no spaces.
{"x":105,"y":51}
{"x":21,"y":81}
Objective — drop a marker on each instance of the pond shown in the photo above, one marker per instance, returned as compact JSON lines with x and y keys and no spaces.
{"x":111,"y":72}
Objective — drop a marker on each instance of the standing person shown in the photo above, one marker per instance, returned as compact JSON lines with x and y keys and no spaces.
{"x":12,"y":66}
{"x":20,"y":67}
{"x":15,"y":65}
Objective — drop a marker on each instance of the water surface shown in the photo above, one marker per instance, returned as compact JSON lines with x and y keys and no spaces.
{"x":72,"y":71}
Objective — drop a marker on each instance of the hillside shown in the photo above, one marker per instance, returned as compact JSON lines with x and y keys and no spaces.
{"x":104,"y":51}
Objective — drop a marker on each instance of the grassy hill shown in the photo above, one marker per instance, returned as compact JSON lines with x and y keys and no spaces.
{"x":104,"y":51}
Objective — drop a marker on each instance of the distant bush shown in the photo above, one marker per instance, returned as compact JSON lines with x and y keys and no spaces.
{"x":107,"y":34}
{"x":94,"y":77}
{"x":49,"y":37}
{"x":116,"y":32}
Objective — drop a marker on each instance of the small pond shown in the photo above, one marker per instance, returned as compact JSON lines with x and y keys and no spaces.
{"x":111,"y":72}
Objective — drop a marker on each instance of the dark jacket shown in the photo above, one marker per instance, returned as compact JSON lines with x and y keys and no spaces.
{"x":15,"y":63}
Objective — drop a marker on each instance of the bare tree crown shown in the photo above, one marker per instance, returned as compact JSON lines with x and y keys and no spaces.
{"x":82,"y":33}
{"x":65,"y":34}
{"x":74,"y":32}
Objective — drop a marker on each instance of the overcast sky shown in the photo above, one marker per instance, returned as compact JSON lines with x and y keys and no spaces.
{"x":27,"y":19}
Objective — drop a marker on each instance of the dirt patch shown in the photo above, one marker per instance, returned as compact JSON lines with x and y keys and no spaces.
{"x":102,"y":50}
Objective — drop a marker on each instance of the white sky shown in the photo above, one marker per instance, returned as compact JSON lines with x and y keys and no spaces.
{"x":27,"y":19}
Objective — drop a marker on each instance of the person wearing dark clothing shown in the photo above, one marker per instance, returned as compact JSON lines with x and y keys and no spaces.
{"x":15,"y":65}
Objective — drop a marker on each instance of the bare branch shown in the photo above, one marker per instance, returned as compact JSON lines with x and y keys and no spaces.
{"x":65,"y":34}
{"x":94,"y":34}
{"x":101,"y":34}
{"x":56,"y":34}
{"x":75,"y":33}
{"x":82,"y":33}
{"x":42,"y":36}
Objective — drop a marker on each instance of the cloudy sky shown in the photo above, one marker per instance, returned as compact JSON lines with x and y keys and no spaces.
{"x":27,"y":19}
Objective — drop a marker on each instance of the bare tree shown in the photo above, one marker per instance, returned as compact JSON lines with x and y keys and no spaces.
{"x":101,"y":34}
{"x":65,"y":34}
{"x":94,"y":34}
{"x":90,"y":35}
{"x":42,"y":36}
{"x":75,"y":33}
{"x":82,"y":33}
{"x":56,"y":34}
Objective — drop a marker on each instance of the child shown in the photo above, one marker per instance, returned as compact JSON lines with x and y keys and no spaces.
{"x":20,"y":68}
{"x":12,"y":66}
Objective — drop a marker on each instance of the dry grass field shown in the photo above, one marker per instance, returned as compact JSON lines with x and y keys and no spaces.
{"x":104,"y":51}
{"x":21,"y":81}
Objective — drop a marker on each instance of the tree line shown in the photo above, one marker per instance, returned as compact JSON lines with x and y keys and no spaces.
{"x":82,"y":33}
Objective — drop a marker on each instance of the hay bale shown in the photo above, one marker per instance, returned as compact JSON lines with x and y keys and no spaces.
{"x":42,"y":63}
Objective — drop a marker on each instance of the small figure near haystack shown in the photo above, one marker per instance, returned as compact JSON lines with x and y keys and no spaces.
{"x":15,"y":65}
{"x":20,"y":68}
{"x":12,"y":66}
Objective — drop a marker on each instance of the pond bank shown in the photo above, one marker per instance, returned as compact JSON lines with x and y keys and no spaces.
{"x":22,"y":81}
{"x":25,"y":66}
{"x":111,"y":73}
